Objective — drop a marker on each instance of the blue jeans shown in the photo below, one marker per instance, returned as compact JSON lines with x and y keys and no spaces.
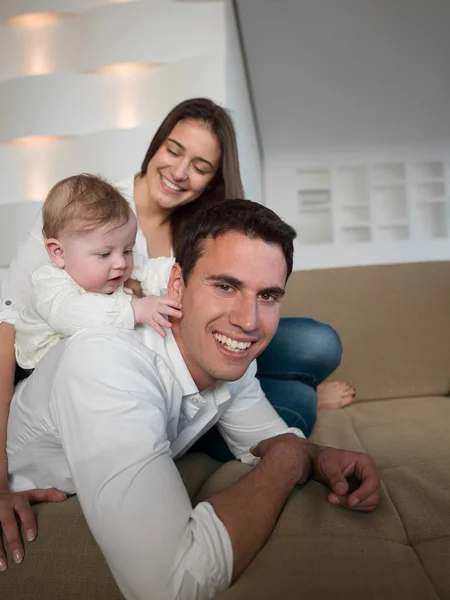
{"x":302,"y":353}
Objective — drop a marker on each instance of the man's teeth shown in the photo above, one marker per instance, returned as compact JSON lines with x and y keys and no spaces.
{"x":230,"y":344}
{"x":171,"y":185}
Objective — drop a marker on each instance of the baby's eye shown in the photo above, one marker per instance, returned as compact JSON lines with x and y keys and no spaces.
{"x":104,"y":255}
{"x":128,"y":252}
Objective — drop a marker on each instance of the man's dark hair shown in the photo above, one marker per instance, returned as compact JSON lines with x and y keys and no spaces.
{"x":244,"y":216}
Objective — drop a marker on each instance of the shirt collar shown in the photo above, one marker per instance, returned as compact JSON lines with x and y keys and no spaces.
{"x":219,"y":389}
{"x":180,"y":369}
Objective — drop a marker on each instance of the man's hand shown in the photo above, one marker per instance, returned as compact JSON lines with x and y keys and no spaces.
{"x":291,"y":453}
{"x":18,"y":505}
{"x":153,"y":310}
{"x":352,"y":476}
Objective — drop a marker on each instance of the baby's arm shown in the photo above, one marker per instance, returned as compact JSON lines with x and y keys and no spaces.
{"x":153,"y":310}
{"x":67,"y":308}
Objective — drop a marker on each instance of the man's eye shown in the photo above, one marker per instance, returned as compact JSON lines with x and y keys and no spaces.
{"x":224,"y":287}
{"x":268,"y":297}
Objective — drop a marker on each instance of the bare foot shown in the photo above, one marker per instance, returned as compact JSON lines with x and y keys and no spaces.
{"x":334,"y":394}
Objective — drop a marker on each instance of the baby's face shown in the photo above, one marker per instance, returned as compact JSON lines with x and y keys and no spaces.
{"x":101,"y":260}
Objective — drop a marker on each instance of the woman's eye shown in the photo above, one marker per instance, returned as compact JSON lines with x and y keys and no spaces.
{"x":172,"y":152}
{"x":200,"y":171}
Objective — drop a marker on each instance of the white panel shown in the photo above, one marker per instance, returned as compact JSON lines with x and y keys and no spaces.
{"x":73,"y":104}
{"x":143,"y":32}
{"x":13,"y":8}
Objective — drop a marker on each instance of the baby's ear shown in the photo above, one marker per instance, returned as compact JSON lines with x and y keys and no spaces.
{"x":175,"y":286}
{"x":56,"y":252}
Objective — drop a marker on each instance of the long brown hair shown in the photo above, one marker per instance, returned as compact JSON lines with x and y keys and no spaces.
{"x":227,"y":183}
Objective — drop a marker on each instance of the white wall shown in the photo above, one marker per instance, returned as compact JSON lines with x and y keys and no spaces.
{"x":346,"y":82}
{"x":238,"y":102}
{"x":52,"y":88}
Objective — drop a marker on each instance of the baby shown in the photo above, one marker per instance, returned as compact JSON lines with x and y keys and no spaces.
{"x":90,"y":231}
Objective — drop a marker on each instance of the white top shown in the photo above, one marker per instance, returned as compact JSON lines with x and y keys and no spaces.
{"x":59,"y":307}
{"x":15,"y":286}
{"x":103,"y":415}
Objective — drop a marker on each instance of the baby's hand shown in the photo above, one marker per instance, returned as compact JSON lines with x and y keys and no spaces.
{"x":153,"y":310}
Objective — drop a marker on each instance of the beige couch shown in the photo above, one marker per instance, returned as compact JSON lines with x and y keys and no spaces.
{"x":395,"y":327}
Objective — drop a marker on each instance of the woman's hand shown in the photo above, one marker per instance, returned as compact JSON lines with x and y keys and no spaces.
{"x":18,"y":505}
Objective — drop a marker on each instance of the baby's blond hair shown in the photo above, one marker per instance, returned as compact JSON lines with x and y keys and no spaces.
{"x":82,"y":203}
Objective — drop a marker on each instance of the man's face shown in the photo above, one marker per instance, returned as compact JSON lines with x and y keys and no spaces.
{"x":231,"y":306}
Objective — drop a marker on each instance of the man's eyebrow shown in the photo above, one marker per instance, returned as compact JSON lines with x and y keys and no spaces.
{"x":230,"y":280}
{"x":196,"y":158}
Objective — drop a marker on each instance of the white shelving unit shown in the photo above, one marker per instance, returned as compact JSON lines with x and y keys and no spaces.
{"x":396,"y":201}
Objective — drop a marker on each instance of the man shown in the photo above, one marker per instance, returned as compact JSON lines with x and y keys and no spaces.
{"x":112,"y":409}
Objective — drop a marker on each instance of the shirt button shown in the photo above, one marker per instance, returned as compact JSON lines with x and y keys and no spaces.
{"x":8,"y":302}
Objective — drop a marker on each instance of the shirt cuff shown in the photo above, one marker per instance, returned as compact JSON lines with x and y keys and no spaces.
{"x":211,"y":563}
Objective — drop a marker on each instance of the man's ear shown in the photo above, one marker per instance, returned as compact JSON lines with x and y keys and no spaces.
{"x":56,"y":252}
{"x":176,"y":286}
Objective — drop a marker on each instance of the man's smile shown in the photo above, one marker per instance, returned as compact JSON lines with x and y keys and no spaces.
{"x":232,"y":344}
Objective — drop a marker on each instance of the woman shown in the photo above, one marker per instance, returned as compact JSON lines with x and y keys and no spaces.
{"x":192,"y":159}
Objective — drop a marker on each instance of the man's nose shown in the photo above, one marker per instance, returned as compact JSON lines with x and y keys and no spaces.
{"x":245,"y":314}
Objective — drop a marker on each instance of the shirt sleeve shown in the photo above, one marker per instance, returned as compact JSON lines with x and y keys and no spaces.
{"x":15,"y":286}
{"x":67,"y":308}
{"x":250,"y":418}
{"x":110,"y":405}
{"x":153,"y":275}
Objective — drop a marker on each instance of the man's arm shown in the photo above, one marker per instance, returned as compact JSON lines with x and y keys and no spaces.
{"x":110,"y":412}
{"x":250,"y":417}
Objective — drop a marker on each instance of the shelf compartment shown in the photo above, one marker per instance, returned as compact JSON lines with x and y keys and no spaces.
{"x":429,"y":170}
{"x":352,"y":185}
{"x":355,"y":215}
{"x":432,"y":221}
{"x":356,"y":234}
{"x":393,"y":233}
{"x":315,"y":227}
{"x":430,"y":191}
{"x":389,"y":173}
{"x":314,"y":198}
{"x":390,"y":203}
{"x":313,"y":178}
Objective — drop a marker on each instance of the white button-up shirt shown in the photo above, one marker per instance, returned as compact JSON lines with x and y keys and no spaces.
{"x":103,"y":415}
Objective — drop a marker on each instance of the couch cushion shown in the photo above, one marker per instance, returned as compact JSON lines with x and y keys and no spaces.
{"x":394,"y":322}
{"x":401,"y":550}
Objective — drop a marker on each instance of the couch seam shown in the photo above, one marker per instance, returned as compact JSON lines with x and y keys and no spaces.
{"x":425,"y":572}
{"x":415,"y":463}
{"x":337,"y":535}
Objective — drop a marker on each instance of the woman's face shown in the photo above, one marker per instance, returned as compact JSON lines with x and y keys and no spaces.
{"x":184,"y":165}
